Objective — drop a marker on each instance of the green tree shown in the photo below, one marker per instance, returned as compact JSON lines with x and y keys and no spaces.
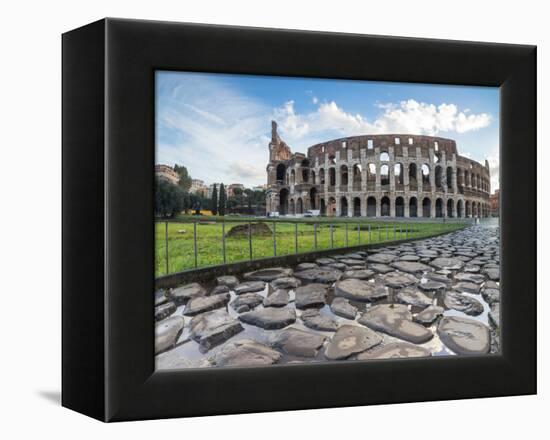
{"x":223,"y":200}
{"x":169,"y":198}
{"x":185,"y":178}
{"x":186,"y":202}
{"x":249,"y":195}
{"x":214,"y":202}
{"x":237,"y":202}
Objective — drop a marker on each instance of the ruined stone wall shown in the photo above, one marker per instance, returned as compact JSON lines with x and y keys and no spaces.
{"x":378,"y":176}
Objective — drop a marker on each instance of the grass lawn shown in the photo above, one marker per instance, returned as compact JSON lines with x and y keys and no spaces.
{"x":209,"y":231}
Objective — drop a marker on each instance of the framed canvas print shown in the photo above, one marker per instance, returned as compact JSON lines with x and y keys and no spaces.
{"x":261,"y":219}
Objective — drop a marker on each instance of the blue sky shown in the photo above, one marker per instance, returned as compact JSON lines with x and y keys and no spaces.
{"x":218,"y":125}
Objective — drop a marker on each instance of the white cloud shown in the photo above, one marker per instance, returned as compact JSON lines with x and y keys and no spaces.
{"x":222,"y":136}
{"x":219,"y":135}
{"x":408,"y":116}
{"x":248,"y":171}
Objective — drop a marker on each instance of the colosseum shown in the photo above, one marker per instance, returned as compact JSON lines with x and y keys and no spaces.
{"x":391,"y":175}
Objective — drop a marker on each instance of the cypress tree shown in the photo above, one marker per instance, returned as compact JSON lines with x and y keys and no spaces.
{"x":215,"y":200}
{"x":222,"y":202}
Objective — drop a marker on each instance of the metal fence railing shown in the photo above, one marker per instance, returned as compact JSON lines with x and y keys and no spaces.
{"x":194,"y":243}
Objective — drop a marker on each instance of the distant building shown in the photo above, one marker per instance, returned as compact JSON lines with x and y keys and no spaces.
{"x":198,"y":187}
{"x":211,"y":190}
{"x":259,"y":187}
{"x":494,"y":202}
{"x":167,"y":173}
{"x":230,"y":190}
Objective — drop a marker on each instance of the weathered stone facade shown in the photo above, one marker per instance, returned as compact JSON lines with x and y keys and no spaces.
{"x":167,"y":173}
{"x":394,"y":175}
{"x":494,"y":202}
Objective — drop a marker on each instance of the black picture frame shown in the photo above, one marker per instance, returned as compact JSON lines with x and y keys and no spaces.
{"x":108,"y":156}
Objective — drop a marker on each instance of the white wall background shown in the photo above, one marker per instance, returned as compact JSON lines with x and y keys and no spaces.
{"x":30,"y":231}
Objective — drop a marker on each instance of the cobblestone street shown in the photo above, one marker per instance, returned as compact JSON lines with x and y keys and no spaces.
{"x":433,"y":297}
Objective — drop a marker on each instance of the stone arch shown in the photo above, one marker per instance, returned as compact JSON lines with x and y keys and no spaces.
{"x":385,"y":175}
{"x":356,"y":207}
{"x":331,"y":207}
{"x":412,"y":174}
{"x":321,"y":176}
{"x":413,"y":207}
{"x":357,"y":177}
{"x":439,"y":208}
{"x":468,"y":209}
{"x":323,"y":207}
{"x":371,"y":172}
{"x":450,"y":178}
{"x":343,"y":207}
{"x":450,"y":208}
{"x":291,"y":207}
{"x":426,"y":174}
{"x":292,"y":177}
{"x":313,"y":198}
{"x":344,"y":175}
{"x":426,"y":207}
{"x":399,"y":207}
{"x":385,"y":206}
{"x":304,"y":166}
{"x":332,"y":176}
{"x":299,"y":206}
{"x":280,"y":173}
{"x":313,"y":176}
{"x":283,"y":201}
{"x":371,"y":206}
{"x":398,"y":173}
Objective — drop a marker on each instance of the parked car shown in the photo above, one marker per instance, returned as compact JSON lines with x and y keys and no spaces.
{"x":312,"y":213}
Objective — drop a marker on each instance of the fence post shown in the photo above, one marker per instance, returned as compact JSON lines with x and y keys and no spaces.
{"x":346,"y":234}
{"x":223,"y":240}
{"x":331,"y":237}
{"x":315,"y":235}
{"x":358,"y":233}
{"x":250,"y":239}
{"x":274,"y":238}
{"x":166,"y":246}
{"x":370,"y":238}
{"x":296,"y":237}
{"x":387,"y":232}
{"x":394,"y":231}
{"x":195,"y":242}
